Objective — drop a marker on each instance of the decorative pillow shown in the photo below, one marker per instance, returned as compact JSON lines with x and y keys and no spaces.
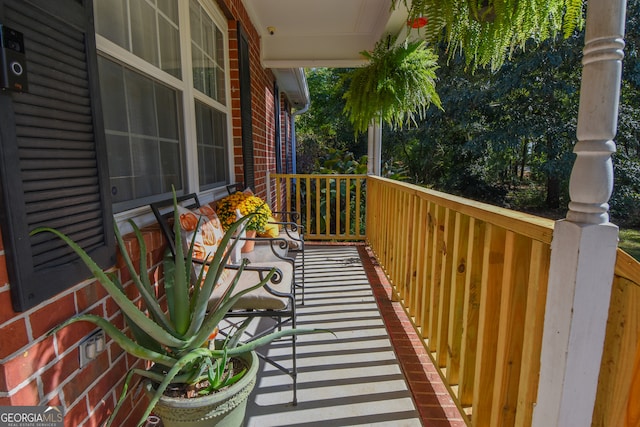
{"x":203,"y":225}
{"x":271,"y":229}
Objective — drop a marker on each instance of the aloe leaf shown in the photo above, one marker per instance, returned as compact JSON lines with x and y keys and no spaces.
{"x":215,"y":316}
{"x":123,"y":394}
{"x":140,"y":336}
{"x":168,"y":379}
{"x":169,"y":273}
{"x":181,"y":315}
{"x":145,"y":289}
{"x":125,"y":304}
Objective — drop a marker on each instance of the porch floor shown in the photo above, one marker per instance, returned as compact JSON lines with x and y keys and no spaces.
{"x":355,"y":378}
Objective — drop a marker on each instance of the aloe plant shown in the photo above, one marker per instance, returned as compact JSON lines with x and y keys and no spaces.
{"x":175,"y":340}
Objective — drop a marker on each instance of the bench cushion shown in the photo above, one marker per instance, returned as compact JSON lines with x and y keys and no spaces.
{"x":258,"y":299}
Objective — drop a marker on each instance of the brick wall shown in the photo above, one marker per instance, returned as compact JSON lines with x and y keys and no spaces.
{"x":37,"y":369}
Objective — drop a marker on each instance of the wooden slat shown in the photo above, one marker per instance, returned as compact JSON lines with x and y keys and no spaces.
{"x":534,"y":323}
{"x":442,"y":337}
{"x":436,"y":274}
{"x":511,"y":329}
{"x":622,"y":339}
{"x":459,"y":266}
{"x":492,"y":267}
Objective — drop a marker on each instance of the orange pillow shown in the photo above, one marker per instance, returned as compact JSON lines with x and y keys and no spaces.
{"x":203,"y":227}
{"x":271,"y":229}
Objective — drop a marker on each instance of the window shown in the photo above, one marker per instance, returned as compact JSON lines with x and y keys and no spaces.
{"x":164,"y":103}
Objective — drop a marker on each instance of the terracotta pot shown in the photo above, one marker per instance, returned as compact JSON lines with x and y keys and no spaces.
{"x":249,"y":244}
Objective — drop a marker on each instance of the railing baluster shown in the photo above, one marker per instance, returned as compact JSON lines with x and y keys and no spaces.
{"x":492,"y":268}
{"x":510,"y":329}
{"x":533,"y":324}
{"x":458,"y":273}
{"x":471,"y":311}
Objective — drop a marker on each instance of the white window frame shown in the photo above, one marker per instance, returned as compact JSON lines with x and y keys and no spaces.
{"x":142,"y":215}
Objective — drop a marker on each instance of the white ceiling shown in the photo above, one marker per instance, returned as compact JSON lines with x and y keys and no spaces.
{"x":321,"y":33}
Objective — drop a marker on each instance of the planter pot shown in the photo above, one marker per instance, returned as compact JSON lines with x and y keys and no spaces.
{"x":223,"y":409}
{"x":249,"y":244}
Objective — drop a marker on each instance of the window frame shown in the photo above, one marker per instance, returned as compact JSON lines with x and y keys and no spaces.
{"x":187,"y":96}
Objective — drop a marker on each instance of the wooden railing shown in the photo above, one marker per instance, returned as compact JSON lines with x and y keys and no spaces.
{"x":618,"y":397}
{"x":337,"y":217}
{"x":473,"y":279}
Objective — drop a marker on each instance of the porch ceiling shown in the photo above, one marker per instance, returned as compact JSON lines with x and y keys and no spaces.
{"x":321,"y":33}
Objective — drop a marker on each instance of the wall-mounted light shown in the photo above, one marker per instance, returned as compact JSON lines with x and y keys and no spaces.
{"x":272,"y":30}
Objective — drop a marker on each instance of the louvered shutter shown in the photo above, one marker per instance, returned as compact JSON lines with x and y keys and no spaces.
{"x":245,"y":108}
{"x":52,"y":149}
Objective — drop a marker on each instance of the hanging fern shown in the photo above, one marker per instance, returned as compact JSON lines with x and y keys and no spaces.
{"x":487,"y":31}
{"x":396,"y":85}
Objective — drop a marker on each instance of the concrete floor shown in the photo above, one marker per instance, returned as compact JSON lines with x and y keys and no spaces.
{"x":352,"y":379}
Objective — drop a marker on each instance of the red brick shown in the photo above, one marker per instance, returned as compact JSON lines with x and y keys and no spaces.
{"x":99,"y":415}
{"x":106,"y":384}
{"x":75,"y":415}
{"x":25,"y":364}
{"x":51,"y":315}
{"x":6,"y":309}
{"x":89,"y":295}
{"x":85,"y":377}
{"x":26,"y":396}
{"x":434,"y":412}
{"x":4,"y":276}
{"x":70,"y":335}
{"x":58,"y":373}
{"x":13,"y":336}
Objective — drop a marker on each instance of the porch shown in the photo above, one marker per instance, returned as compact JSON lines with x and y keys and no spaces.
{"x":471,"y":280}
{"x":355,"y":377}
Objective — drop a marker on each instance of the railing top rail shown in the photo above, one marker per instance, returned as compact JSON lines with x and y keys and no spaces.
{"x":535,"y":227}
{"x":627,"y":267}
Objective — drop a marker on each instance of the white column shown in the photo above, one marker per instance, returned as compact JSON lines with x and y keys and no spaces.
{"x":374,"y":148}
{"x":583,"y":251}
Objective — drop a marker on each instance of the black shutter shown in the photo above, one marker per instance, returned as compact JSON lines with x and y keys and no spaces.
{"x":245,"y":108}
{"x":52,"y":152}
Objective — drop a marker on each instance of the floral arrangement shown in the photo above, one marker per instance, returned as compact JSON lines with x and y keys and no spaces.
{"x":246,"y":204}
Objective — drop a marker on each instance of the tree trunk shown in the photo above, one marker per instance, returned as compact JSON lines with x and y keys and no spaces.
{"x":553,"y":192}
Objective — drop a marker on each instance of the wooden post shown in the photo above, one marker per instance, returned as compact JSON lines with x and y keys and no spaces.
{"x":583,"y":250}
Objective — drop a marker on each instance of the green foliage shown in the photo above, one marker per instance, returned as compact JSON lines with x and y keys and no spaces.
{"x":488,"y":31}
{"x":397,"y":85}
{"x":175,"y":341}
{"x":630,"y":242}
{"x":325,"y":125}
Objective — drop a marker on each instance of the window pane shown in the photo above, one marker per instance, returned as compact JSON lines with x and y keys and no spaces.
{"x":142,"y":106}
{"x":111,"y":21}
{"x":170,"y":48}
{"x":169,"y":8}
{"x":212,"y":152}
{"x":146,"y":167}
{"x":145,"y":158}
{"x":112,"y":91}
{"x":120,"y":168}
{"x":207,"y":51}
{"x":144,"y":35}
{"x":167,"y":108}
{"x":170,"y":164}
{"x":198,"y":68}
